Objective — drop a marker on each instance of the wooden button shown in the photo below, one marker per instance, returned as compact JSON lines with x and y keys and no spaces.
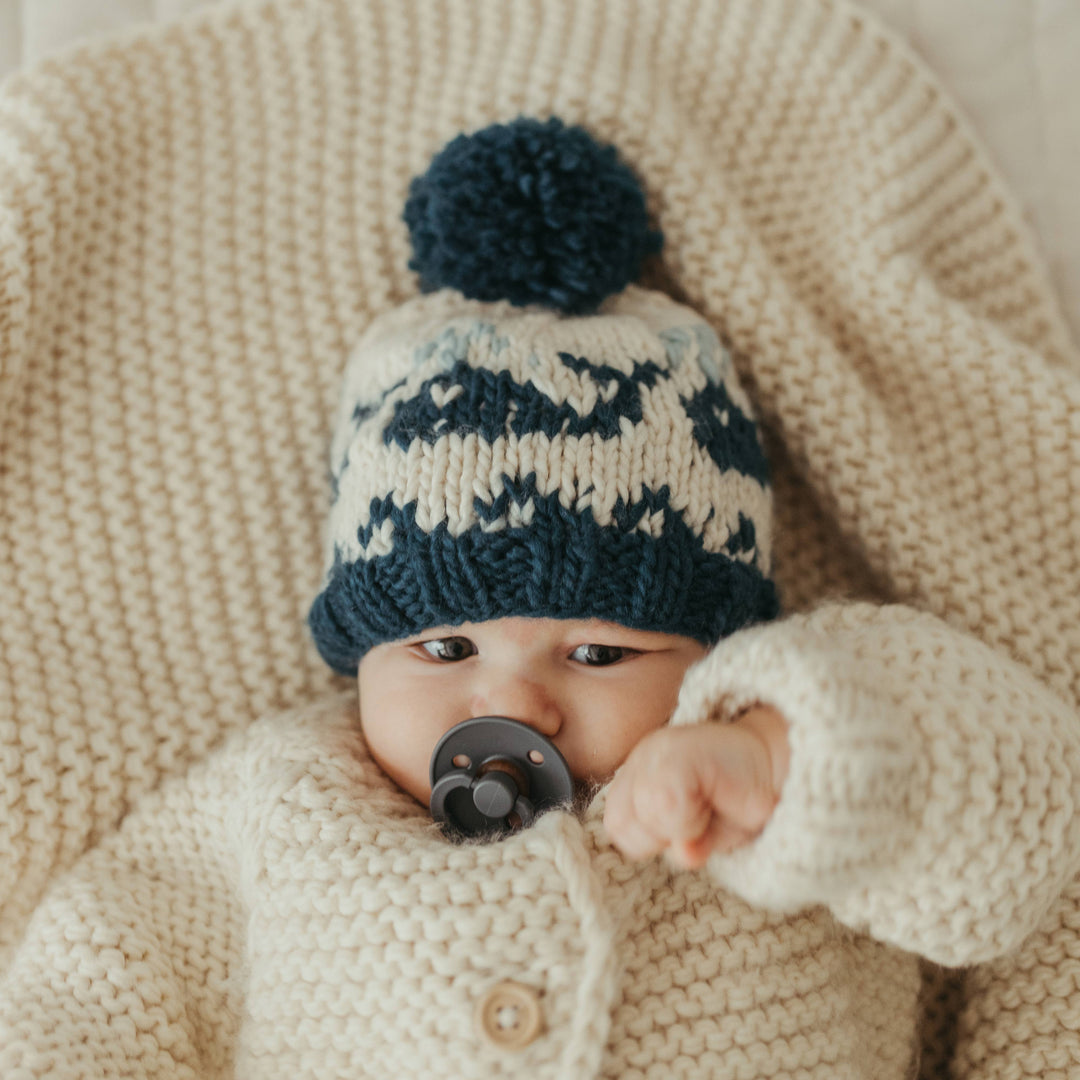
{"x":509,"y":1017}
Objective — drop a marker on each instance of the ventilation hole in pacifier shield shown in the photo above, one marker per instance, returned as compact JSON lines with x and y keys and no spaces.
{"x":536,"y":757}
{"x":462,"y":761}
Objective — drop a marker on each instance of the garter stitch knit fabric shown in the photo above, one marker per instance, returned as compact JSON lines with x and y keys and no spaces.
{"x":196,"y":225}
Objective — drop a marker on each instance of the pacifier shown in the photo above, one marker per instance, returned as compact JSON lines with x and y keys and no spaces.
{"x":491,"y":774}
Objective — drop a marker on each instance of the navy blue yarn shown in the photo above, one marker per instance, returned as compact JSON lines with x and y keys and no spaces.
{"x":493,"y":403}
{"x":732,"y":445}
{"x":533,"y":212}
{"x":743,"y":540}
{"x":563,"y":565}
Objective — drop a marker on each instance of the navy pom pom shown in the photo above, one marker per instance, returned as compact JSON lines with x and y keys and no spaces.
{"x":531,"y":212}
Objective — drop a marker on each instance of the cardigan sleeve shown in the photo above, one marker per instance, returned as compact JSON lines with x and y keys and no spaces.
{"x":129,"y":966}
{"x":932,"y":795}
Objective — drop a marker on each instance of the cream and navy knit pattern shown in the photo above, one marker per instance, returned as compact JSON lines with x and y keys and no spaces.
{"x":196,"y":225}
{"x":494,"y":461}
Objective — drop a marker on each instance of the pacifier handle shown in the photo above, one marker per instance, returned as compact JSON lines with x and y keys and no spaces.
{"x":494,"y":795}
{"x":491,"y":774}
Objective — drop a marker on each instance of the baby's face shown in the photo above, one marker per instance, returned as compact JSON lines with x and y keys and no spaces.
{"x":593,"y":688}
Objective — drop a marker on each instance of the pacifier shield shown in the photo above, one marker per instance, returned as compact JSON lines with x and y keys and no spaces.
{"x":492,"y":774}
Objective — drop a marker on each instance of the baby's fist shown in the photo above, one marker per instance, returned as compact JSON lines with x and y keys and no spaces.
{"x":689,"y":791}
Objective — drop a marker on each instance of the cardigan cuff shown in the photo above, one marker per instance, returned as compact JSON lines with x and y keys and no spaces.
{"x":847,"y":809}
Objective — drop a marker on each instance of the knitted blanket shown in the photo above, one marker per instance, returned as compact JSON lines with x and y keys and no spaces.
{"x":197,"y":222}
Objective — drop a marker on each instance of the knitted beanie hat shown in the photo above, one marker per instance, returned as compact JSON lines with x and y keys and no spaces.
{"x":536,"y":435}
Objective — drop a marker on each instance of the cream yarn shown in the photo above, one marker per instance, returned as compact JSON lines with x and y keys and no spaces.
{"x":197,"y":223}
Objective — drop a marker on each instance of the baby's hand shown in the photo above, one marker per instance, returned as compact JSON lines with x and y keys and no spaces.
{"x":693,"y":790}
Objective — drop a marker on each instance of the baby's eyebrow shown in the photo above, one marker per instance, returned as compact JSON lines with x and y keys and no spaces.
{"x":622,"y":637}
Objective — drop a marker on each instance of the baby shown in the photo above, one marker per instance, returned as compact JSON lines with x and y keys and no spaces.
{"x":551,"y":506}
{"x":549,"y":516}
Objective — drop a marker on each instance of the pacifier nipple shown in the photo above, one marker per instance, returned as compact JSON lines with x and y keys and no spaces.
{"x":491,"y":774}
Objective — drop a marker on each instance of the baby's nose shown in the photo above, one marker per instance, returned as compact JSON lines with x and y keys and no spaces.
{"x":519,"y":698}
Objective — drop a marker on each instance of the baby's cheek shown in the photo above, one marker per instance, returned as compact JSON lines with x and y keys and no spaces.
{"x":611,"y":737}
{"x":650,"y":706}
{"x":401,"y":735}
{"x":646,"y":702}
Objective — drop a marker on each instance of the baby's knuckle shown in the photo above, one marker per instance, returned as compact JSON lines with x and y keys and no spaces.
{"x":667,"y":805}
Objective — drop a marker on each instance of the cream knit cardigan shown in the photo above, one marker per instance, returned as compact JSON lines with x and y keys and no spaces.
{"x":195,"y":225}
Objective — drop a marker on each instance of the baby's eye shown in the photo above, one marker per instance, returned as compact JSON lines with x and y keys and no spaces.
{"x":449,"y":649}
{"x":600,"y":655}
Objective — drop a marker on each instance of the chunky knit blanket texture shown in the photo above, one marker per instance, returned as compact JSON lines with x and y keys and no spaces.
{"x":196,"y":224}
